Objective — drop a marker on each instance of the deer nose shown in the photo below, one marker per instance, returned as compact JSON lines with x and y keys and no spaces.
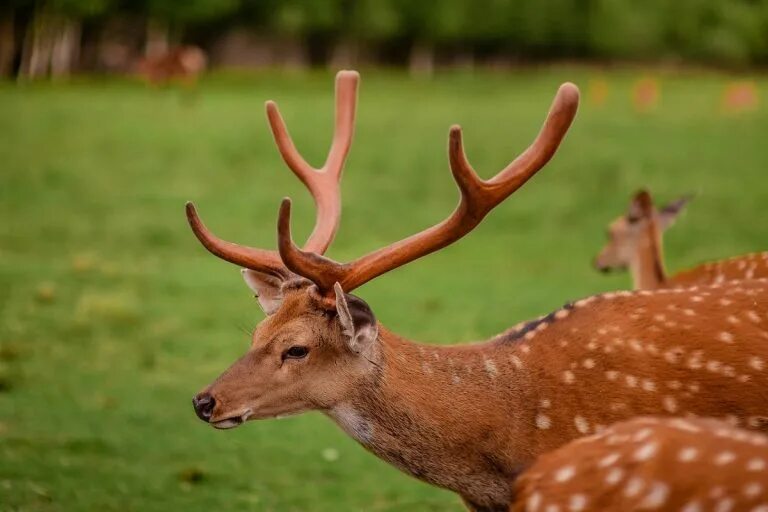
{"x":599,"y":266}
{"x":204,"y":404}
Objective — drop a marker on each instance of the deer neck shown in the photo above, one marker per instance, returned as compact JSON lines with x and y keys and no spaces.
{"x":647,"y":264}
{"x":431,"y":412}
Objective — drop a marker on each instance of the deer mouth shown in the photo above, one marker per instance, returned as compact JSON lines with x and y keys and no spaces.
{"x":232,"y":421}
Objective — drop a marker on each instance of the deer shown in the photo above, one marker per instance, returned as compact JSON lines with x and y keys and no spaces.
{"x":470,"y":418}
{"x":635,"y":242}
{"x":652,"y":463}
{"x":184,"y":63}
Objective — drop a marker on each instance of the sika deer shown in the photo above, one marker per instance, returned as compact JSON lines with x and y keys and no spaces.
{"x":686,"y":465}
{"x":470,"y":418}
{"x":635,"y":242}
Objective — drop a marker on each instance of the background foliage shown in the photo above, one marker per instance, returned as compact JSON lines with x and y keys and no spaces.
{"x":730,"y":33}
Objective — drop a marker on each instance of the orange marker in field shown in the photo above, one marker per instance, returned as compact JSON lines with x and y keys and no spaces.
{"x":598,"y":91}
{"x":645,"y":94}
{"x":740,"y":96}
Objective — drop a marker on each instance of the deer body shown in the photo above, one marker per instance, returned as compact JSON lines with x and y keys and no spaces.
{"x":649,"y":463}
{"x":470,"y":418}
{"x":636,"y":242}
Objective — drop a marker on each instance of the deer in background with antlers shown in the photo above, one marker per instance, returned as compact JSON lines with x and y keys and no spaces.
{"x":686,"y":465}
{"x":470,"y":418}
{"x":635,"y":242}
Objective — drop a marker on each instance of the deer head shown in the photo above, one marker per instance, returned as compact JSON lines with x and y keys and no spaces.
{"x":318,"y":343}
{"x":634,"y":239}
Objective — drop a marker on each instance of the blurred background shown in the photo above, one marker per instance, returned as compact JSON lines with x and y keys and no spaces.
{"x":114,"y":113}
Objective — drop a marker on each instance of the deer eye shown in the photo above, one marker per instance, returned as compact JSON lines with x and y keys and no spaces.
{"x":296,"y":352}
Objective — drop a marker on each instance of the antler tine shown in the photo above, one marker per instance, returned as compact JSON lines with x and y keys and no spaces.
{"x":491,"y":192}
{"x":323,"y":183}
{"x":478,"y":197}
{"x":249,"y":257}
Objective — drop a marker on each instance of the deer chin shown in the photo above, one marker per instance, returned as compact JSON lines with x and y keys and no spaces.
{"x":232,"y":421}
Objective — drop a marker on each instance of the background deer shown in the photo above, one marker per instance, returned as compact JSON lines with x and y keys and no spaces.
{"x":635,"y":242}
{"x":470,"y":418}
{"x":687,"y":465}
{"x":184,"y":63}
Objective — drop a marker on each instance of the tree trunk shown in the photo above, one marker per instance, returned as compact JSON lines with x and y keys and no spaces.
{"x":7,"y":43}
{"x":66,"y":47}
{"x":422,"y":60}
{"x":38,"y":45}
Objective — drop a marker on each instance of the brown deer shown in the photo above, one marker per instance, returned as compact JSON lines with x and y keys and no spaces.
{"x":183,"y":63}
{"x":635,"y":242}
{"x":649,"y":463}
{"x":470,"y":418}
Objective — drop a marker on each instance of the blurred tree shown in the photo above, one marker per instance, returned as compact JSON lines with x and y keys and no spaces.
{"x":167,"y":19}
{"x":52,"y":38}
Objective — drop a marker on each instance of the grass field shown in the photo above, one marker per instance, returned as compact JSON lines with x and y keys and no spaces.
{"x":112,"y":316}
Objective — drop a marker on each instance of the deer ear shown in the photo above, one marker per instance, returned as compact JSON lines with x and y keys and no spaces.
{"x":641,"y":206}
{"x":357,"y":321}
{"x":671,"y":211}
{"x":266,"y":287}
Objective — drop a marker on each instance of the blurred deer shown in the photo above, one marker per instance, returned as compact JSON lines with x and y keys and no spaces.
{"x":635,"y":242}
{"x":470,"y":418}
{"x":686,"y":465}
{"x":183,"y":63}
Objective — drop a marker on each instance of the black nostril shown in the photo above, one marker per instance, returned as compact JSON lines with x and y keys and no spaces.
{"x":204,"y":404}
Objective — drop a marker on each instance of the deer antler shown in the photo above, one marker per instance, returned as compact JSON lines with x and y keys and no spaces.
{"x":323,"y":184}
{"x":478,"y":197}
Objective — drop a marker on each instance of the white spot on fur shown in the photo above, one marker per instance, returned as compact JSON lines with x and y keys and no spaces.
{"x":568,"y":377}
{"x":614,"y":476}
{"x":490,"y":368}
{"x":633,"y":487}
{"x":609,"y":460}
{"x":543,"y":421}
{"x":725,"y":337}
{"x":669,"y":403}
{"x":724,"y":458}
{"x":692,"y":506}
{"x":756,"y":464}
{"x":756,"y":363}
{"x":687,"y":454}
{"x":752,"y":489}
{"x":656,"y":497}
{"x":646,"y":451}
{"x":581,"y":423}
{"x":724,"y":505}
{"x":589,"y":363}
{"x":517,"y":362}
{"x":533,"y":502}
{"x":577,"y":503}
{"x":565,"y":473}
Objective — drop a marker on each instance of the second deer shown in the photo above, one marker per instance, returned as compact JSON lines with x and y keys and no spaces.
{"x":685,"y":465}
{"x":635,"y":242}
{"x":470,"y":418}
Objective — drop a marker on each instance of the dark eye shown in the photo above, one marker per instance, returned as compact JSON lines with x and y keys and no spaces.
{"x":296,"y":352}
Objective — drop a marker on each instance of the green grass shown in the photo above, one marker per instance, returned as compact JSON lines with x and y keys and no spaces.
{"x":112,"y":315}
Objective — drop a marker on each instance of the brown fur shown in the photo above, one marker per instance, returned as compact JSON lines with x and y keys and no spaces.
{"x":635,"y":242}
{"x":183,"y":63}
{"x":471,"y":417}
{"x":652,"y":464}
